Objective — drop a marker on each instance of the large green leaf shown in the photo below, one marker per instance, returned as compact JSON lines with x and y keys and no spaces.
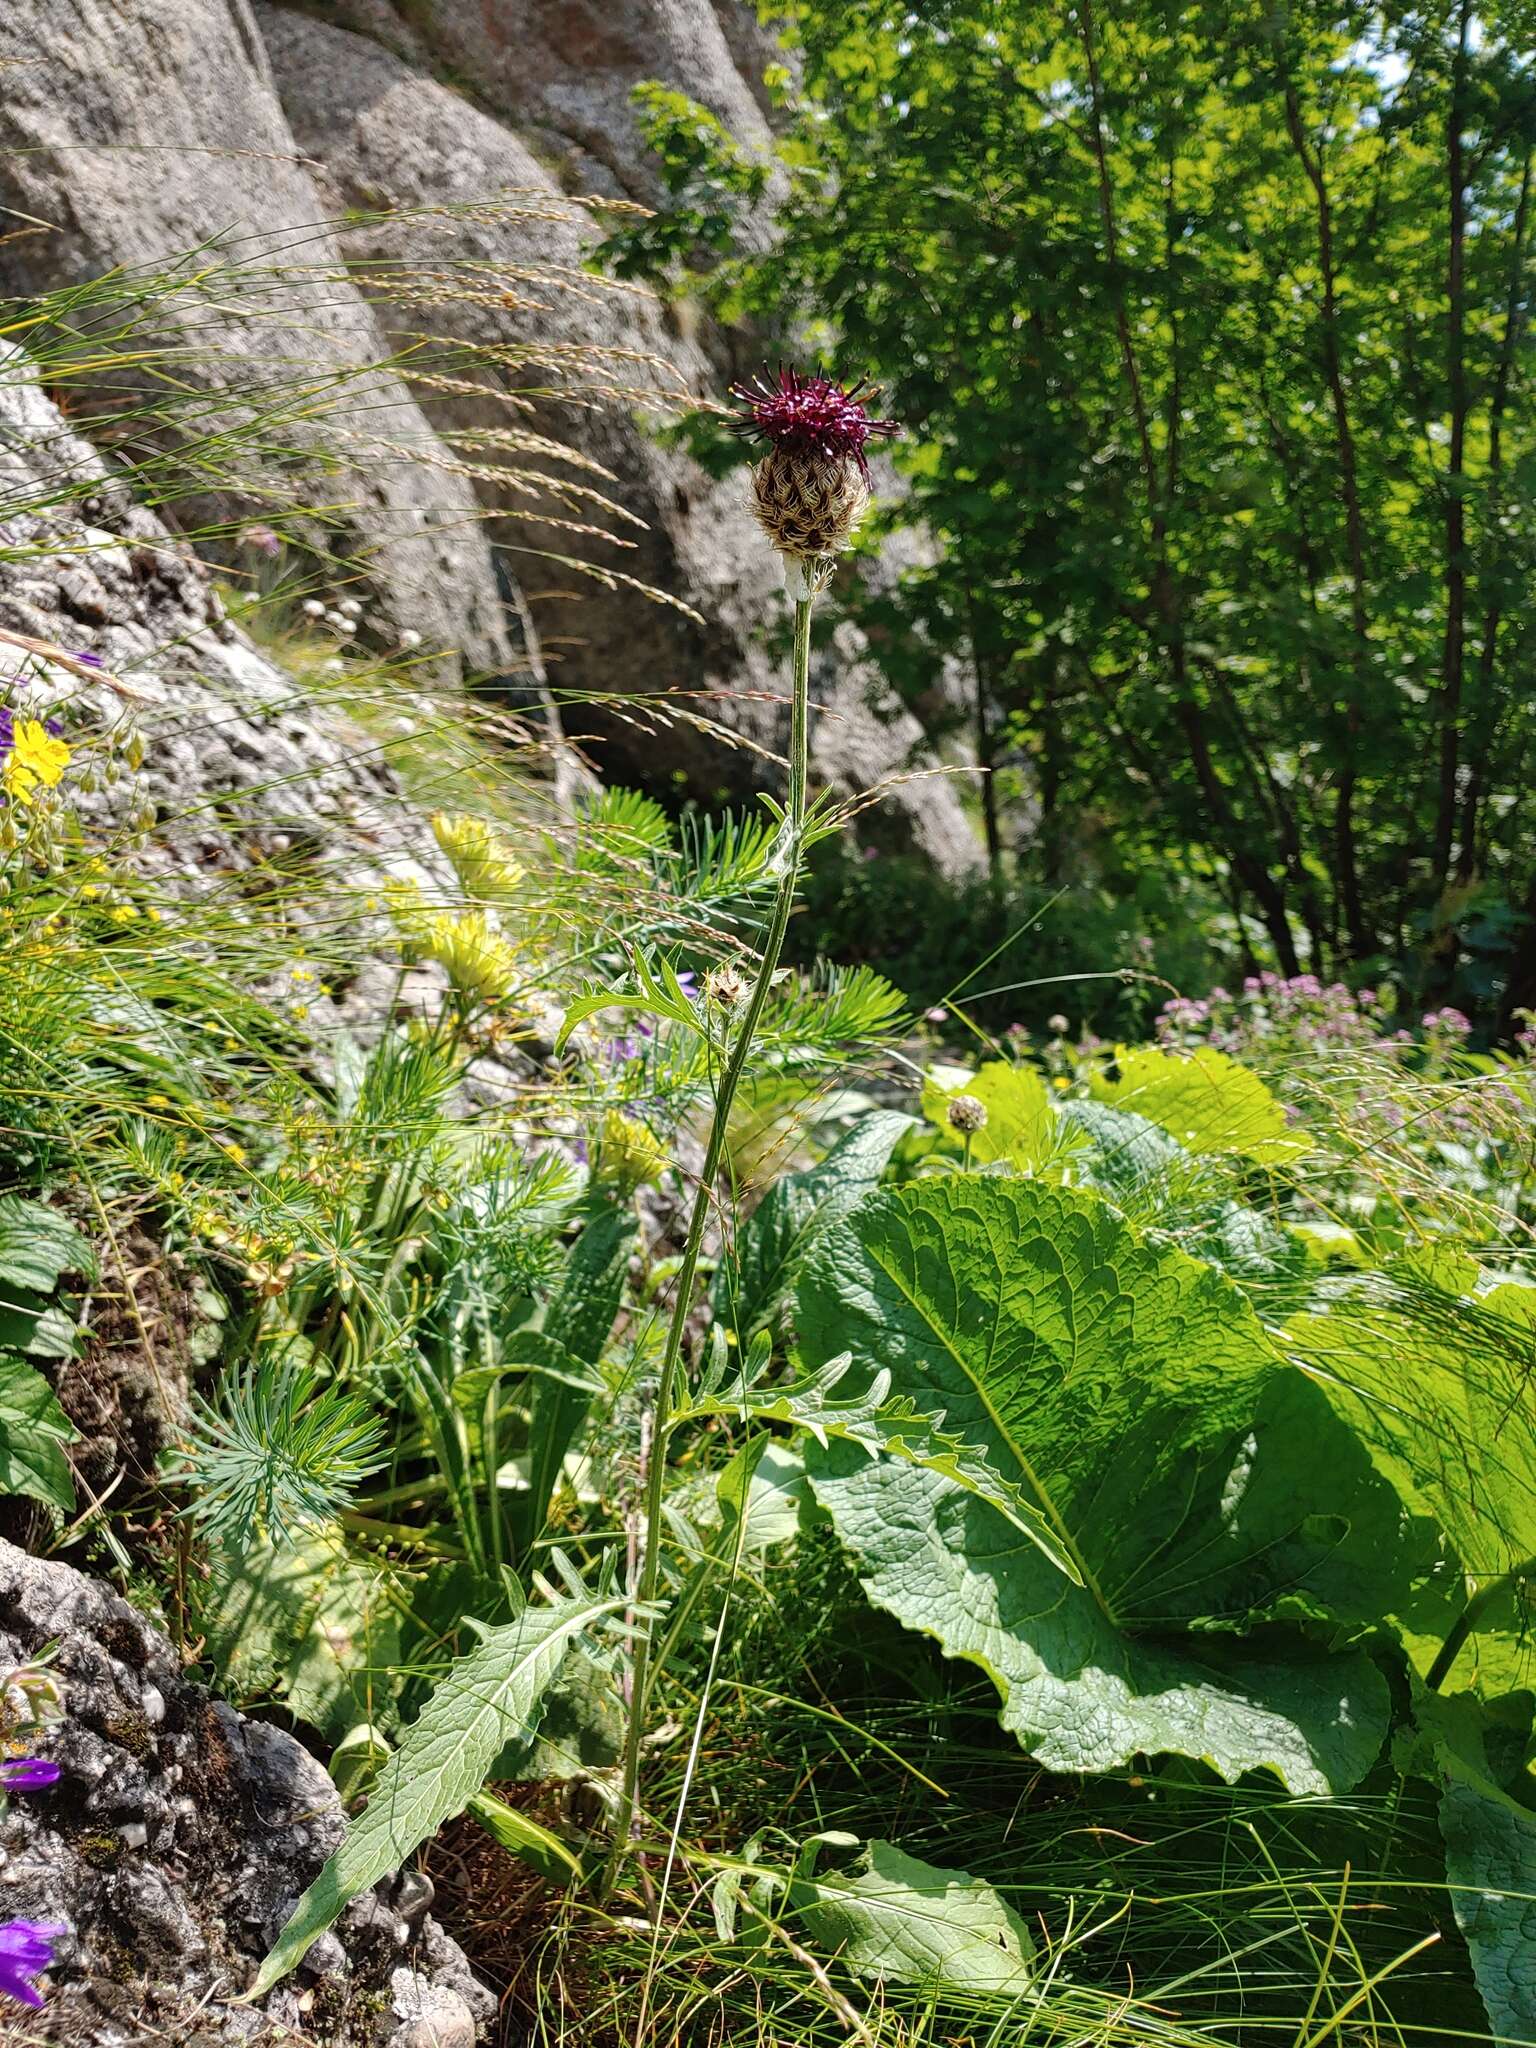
{"x":1021,"y":1119}
{"x":1438,"y":1379}
{"x":902,"y":1918}
{"x":1197,"y":1483}
{"x":38,"y":1246}
{"x":33,"y":1432}
{"x":492,"y":1697}
{"x":1490,"y":1865}
{"x":749,"y":1288}
{"x":1204,"y":1099}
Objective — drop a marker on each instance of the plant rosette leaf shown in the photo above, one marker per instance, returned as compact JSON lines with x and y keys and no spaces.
{"x":898,"y":1917}
{"x":490,"y":1698}
{"x":33,"y":1433}
{"x":1197,"y":1484}
{"x":1205,"y":1099}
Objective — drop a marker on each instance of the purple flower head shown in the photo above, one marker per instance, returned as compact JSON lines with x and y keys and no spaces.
{"x":86,"y":658}
{"x":618,"y":1050}
{"x":813,"y":414}
{"x":687,"y":982}
{"x":7,"y":731}
{"x":28,"y":1774}
{"x":26,"y":1950}
{"x":262,"y":538}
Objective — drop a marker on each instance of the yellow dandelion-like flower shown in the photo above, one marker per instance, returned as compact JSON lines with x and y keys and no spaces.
{"x":34,"y":758}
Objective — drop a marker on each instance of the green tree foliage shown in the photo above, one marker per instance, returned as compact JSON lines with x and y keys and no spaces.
{"x":1208,"y":324}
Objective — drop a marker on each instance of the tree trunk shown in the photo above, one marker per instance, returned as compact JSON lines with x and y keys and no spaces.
{"x":1362,"y":940}
{"x":1453,"y":659}
{"x":1485,"y":712}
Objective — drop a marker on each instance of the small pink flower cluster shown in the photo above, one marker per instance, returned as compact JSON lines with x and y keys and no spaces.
{"x":1272,"y":1011}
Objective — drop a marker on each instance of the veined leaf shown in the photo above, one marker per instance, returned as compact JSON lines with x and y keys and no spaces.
{"x":522,"y":1837}
{"x":1439,"y":1382}
{"x":1021,"y":1119}
{"x":887,"y":1426}
{"x":38,"y":1246}
{"x":530,"y":1353}
{"x":307,"y":1619}
{"x":1490,"y":1867}
{"x":901,"y":1918}
{"x":1204,"y":1099}
{"x":33,"y":1432}
{"x":1195,"y":1483}
{"x":492,"y":1697}
{"x":750,"y":1288}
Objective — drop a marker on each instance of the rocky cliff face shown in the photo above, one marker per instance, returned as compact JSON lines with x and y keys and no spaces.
{"x":130,"y":131}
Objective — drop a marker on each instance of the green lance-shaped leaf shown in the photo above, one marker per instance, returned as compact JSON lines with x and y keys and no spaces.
{"x":577,"y":1326}
{"x":1194,"y":1481}
{"x":490,"y":1698}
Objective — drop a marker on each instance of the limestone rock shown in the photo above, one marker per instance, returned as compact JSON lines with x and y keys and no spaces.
{"x":174,"y":1846}
{"x":132,"y":132}
{"x":391,"y":139}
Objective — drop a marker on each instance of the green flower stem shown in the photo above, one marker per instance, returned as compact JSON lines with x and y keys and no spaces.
{"x":1469,"y":1618}
{"x":735,"y":1067}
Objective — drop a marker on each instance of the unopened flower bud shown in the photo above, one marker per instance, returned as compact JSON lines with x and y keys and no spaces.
{"x":1058,"y":1025}
{"x":726,"y":986}
{"x":812,"y":488}
{"x":967,"y":1115}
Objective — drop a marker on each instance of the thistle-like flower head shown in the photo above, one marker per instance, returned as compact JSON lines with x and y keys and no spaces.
{"x":811,"y":414}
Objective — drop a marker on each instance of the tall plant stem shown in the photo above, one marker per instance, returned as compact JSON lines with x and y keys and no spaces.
{"x":714,"y":1152}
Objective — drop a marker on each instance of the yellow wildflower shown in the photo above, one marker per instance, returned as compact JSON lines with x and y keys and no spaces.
{"x":35,"y":757}
{"x":482,"y":860}
{"x":628,"y":1153}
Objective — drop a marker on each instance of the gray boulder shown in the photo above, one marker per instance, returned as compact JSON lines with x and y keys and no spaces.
{"x":565,"y":69}
{"x":173,"y":1849}
{"x":132,"y":132}
{"x":244,"y":775}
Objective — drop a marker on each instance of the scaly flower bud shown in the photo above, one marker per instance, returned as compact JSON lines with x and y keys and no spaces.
{"x":726,"y":986}
{"x":812,"y":488}
{"x":967,"y":1115}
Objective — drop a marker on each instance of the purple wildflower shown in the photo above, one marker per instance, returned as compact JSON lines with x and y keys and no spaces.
{"x":813,"y":414}
{"x":86,"y":658}
{"x":618,"y":1050}
{"x":688,"y":984}
{"x":28,"y":1774}
{"x":26,"y":1950}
